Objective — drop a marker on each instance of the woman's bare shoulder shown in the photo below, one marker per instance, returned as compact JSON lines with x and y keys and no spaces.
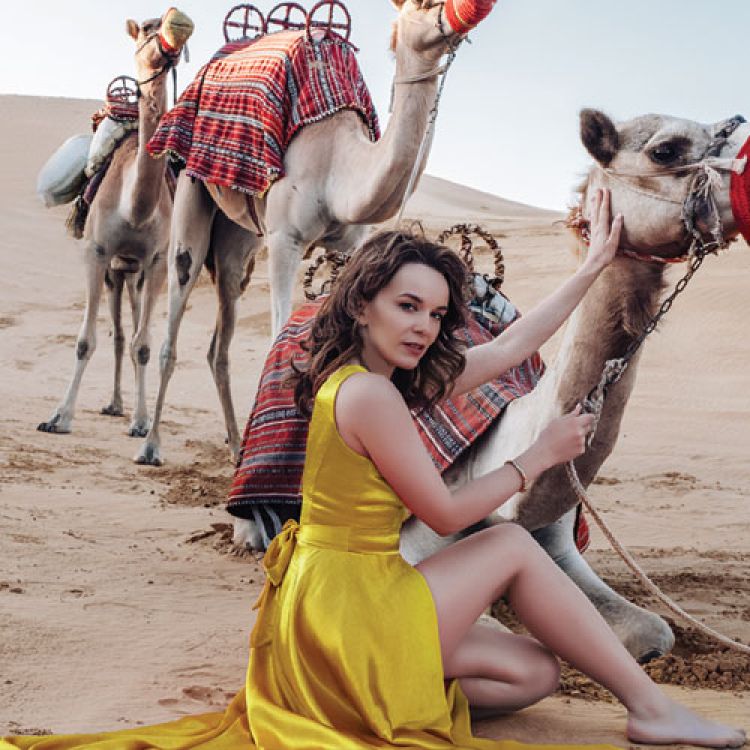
{"x":364,"y":389}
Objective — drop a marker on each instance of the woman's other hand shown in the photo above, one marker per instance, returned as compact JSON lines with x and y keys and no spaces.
{"x":605,"y":233}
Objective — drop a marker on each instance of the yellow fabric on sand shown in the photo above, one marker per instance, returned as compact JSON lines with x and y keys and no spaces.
{"x":345,"y":653}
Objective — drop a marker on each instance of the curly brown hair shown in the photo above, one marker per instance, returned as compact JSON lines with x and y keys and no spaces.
{"x":335,"y":338}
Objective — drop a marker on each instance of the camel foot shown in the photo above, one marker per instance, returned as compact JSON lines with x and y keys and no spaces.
{"x":246,"y":537}
{"x":56,"y":425}
{"x":148,"y":456}
{"x":112,"y":410}
{"x":675,"y":724}
{"x":139,"y":428}
{"x":646,"y":635}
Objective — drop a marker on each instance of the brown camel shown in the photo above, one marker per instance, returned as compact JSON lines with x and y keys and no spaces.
{"x":127,"y":230}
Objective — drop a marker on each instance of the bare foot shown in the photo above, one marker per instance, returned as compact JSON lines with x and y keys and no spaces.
{"x":674,"y":724}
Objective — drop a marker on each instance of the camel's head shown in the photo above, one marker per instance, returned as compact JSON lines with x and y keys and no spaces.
{"x":425,"y":26}
{"x":649,"y":165}
{"x":159,"y":41}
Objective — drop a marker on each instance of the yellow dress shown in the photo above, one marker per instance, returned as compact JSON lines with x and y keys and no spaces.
{"x":345,"y":653}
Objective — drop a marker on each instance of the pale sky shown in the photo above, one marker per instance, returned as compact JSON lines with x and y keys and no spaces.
{"x":508,"y":122}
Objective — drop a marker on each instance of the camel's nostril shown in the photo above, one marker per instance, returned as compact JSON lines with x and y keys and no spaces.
{"x":649,"y":656}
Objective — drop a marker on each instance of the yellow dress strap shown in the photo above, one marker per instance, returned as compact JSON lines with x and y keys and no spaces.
{"x":275,"y":562}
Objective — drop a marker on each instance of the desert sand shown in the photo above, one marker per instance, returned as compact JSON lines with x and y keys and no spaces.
{"x":120,"y":603}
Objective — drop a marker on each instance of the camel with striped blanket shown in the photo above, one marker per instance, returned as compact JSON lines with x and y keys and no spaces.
{"x":337,"y":183}
{"x":127,"y":229}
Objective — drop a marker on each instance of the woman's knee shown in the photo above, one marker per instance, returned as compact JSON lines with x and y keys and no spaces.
{"x":541,"y":674}
{"x":510,"y":537}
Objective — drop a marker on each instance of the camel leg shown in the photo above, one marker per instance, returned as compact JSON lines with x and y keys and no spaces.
{"x":114,"y":281}
{"x":190,"y":235}
{"x":644,"y":634}
{"x":233,"y":249}
{"x":144,"y":292}
{"x":285,"y":251}
{"x":96,"y":265}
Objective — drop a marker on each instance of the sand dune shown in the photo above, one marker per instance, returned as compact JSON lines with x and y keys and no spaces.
{"x":119,"y":602}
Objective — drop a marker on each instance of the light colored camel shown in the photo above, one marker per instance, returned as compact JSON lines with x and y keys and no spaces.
{"x":612,"y":314}
{"x":127,"y":230}
{"x":337,"y":183}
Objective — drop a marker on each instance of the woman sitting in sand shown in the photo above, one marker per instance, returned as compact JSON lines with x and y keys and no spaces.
{"x":352,"y":647}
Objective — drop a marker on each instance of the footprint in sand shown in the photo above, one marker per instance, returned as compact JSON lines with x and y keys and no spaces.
{"x":210,"y":697}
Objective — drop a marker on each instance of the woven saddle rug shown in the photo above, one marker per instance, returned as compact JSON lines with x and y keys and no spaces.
{"x":232,"y":125}
{"x":266,"y":485}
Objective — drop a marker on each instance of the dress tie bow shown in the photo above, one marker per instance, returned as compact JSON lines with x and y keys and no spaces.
{"x":275,"y":562}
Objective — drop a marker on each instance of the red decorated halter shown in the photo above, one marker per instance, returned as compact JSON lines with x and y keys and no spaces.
{"x":740,"y":195}
{"x":464,"y":15}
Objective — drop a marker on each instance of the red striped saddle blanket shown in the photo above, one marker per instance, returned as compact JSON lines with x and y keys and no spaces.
{"x":266,"y":485}
{"x":232,"y":125}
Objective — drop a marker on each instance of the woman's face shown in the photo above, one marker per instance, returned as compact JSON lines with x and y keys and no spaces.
{"x":404,"y":319}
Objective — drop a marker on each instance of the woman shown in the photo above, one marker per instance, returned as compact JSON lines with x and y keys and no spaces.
{"x":352,"y":646}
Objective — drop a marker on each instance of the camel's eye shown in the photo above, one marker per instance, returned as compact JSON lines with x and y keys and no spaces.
{"x":664,"y":153}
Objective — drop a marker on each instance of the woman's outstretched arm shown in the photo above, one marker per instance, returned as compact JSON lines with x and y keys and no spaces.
{"x":374,"y":421}
{"x":525,"y":336}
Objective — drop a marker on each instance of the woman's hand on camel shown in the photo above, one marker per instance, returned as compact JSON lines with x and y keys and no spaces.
{"x":564,"y":438}
{"x":605,"y":232}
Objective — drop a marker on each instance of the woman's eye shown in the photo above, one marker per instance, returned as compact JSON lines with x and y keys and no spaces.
{"x":664,"y":153}
{"x":438,"y":316}
{"x":407,"y":306}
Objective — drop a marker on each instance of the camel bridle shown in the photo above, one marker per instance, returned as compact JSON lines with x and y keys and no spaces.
{"x":699,"y":196}
{"x":169,"y":55}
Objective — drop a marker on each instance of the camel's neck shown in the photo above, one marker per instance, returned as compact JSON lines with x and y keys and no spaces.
{"x":146,"y":182}
{"x":613,"y":313}
{"x":383,"y":169}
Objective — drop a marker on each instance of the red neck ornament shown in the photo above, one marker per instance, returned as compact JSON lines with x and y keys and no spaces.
{"x":166,"y":47}
{"x":740,"y":195}
{"x":464,"y":15}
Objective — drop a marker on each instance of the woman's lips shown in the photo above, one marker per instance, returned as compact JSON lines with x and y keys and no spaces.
{"x":415,"y":348}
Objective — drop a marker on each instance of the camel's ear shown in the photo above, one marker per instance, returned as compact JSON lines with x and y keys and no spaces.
{"x":398,"y":4}
{"x":132,"y":28}
{"x":599,"y":135}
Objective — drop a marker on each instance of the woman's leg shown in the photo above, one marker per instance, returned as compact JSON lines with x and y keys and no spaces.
{"x":501,"y":672}
{"x":504,"y":560}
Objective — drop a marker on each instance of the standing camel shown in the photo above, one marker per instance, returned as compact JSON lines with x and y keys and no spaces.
{"x":127,"y":229}
{"x":337,"y":182}
{"x":637,"y":161}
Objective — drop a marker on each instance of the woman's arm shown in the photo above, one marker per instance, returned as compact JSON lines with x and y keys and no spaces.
{"x":373,"y":420}
{"x":526,"y":335}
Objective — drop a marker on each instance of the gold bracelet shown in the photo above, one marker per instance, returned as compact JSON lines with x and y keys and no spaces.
{"x":524,"y":477}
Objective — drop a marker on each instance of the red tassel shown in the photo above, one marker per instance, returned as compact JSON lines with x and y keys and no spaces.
{"x":464,"y":15}
{"x":740,"y":195}
{"x":167,"y":47}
